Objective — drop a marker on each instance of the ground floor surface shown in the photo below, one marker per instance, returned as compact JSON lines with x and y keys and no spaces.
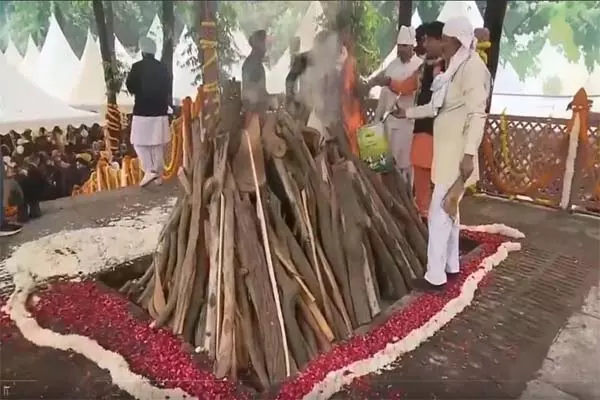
{"x":532,"y":331}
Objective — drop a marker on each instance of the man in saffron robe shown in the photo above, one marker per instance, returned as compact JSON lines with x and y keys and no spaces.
{"x":429,"y":38}
{"x":458,"y":104}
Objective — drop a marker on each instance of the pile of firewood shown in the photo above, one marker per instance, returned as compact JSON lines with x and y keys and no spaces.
{"x":279,"y":247}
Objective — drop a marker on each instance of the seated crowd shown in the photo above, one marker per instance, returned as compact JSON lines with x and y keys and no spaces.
{"x":48,"y":165}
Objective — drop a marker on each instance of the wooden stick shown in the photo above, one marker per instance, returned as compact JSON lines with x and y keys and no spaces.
{"x":263,"y":228}
{"x":219,"y":310}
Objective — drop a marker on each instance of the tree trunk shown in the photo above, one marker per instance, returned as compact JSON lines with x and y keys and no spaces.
{"x":493,"y":19}
{"x":405,"y":10}
{"x":104,"y":23}
{"x":168,"y":27}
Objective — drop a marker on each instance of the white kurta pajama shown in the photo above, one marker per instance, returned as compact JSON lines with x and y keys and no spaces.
{"x":399,"y":132}
{"x":149,"y":135}
{"x":458,"y":130}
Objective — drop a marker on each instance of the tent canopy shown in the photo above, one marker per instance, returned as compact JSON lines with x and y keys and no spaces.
{"x":467,"y":9}
{"x":507,"y":81}
{"x":12,"y":55}
{"x":30,"y":62}
{"x":25,"y":106}
{"x":241,"y":45}
{"x":89,"y":89}
{"x":183,"y":76}
{"x":57,"y":63}
{"x":307,"y":30}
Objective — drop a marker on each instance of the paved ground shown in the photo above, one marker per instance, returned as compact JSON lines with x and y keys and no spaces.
{"x":498,"y":344}
{"x":490,"y":351}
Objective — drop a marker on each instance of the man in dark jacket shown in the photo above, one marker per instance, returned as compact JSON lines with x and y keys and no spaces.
{"x":152,"y":85}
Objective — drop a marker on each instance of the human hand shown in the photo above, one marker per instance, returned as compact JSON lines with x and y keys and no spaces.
{"x":466,"y":167}
{"x":452,"y":197}
{"x":380,"y":80}
{"x":399,"y":113}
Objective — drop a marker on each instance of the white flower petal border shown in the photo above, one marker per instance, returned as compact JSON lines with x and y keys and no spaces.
{"x":334,"y":381}
{"x":89,"y":250}
{"x":96,"y":249}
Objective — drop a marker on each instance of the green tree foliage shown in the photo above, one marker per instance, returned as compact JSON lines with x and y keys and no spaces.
{"x":362,"y":20}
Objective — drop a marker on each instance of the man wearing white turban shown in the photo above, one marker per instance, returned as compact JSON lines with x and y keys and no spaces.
{"x":399,"y":132}
{"x":152,"y":85}
{"x":458,"y":103}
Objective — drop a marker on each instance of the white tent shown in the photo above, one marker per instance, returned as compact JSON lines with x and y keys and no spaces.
{"x":155,"y":33}
{"x":307,"y":30}
{"x":30,"y":62}
{"x":374,"y":93}
{"x":507,"y":80}
{"x":572,"y":76}
{"x":25,"y":106}
{"x":122,"y":54}
{"x":241,"y":45}
{"x":12,"y":55}
{"x":57,"y":63}
{"x":592,"y":85}
{"x":467,"y":9}
{"x":183,"y":75}
{"x":89,"y":88}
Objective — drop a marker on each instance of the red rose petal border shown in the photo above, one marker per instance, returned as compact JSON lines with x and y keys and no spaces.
{"x":85,"y":309}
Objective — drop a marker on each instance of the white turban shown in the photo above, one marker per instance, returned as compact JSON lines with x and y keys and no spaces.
{"x":406,"y":35}
{"x":461,"y":29}
{"x":147,"y":45}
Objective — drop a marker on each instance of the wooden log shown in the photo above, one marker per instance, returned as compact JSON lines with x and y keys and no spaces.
{"x":290,"y":292}
{"x":196,"y":231}
{"x":252,"y":259}
{"x":257,"y":356}
{"x":226,"y":350}
{"x":353,"y":223}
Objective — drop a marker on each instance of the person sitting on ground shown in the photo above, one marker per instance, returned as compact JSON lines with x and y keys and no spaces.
{"x":152,"y":85}
{"x":7,"y":193}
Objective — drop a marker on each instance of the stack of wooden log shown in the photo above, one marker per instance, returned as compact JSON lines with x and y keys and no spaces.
{"x":279,"y":247}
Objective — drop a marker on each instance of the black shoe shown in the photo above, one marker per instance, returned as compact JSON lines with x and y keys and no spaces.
{"x":9,"y":229}
{"x":34,"y":210}
{"x":423,"y":285}
{"x":22,"y":214}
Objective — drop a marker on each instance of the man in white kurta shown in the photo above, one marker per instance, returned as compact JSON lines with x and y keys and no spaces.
{"x":151,"y":84}
{"x":399,"y":132}
{"x":458,"y":104}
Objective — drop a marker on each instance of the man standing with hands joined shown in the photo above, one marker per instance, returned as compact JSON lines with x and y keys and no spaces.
{"x":458,"y":103}
{"x":152,"y":85}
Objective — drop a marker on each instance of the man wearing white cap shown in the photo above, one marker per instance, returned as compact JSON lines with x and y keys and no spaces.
{"x":458,"y":103}
{"x":399,"y":132}
{"x":152,"y":85}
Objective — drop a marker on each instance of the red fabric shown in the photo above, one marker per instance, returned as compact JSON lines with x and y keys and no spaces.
{"x":422,"y":184}
{"x":421,"y":151}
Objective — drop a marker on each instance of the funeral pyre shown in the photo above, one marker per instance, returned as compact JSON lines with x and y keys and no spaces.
{"x":279,"y":247}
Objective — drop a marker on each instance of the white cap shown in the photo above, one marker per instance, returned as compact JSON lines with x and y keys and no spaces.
{"x":147,"y":45}
{"x":406,"y":35}
{"x":461,"y":29}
